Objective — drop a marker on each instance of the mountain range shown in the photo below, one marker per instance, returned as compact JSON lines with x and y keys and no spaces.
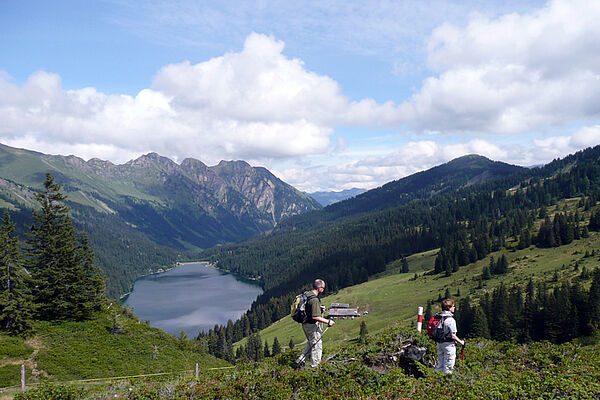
{"x":149,"y":212}
{"x":151,"y":206}
{"x":326,"y":198}
{"x":458,"y":213}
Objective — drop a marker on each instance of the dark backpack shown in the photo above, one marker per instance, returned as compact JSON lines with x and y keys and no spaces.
{"x":437,"y":330}
{"x":298,"y":309}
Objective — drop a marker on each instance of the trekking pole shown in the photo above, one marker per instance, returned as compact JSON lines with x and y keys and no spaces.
{"x":303,"y":355}
{"x":462,"y":353}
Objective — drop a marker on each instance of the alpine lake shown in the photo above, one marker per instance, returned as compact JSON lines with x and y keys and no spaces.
{"x":192,"y":297}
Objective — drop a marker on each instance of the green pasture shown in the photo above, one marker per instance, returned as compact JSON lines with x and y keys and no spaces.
{"x":395,"y":296}
{"x":113,"y":344}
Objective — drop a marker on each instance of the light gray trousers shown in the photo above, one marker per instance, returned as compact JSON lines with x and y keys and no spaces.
{"x":314,"y":344}
{"x":446,"y":353}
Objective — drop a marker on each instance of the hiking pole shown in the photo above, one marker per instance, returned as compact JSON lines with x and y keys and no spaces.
{"x":302,"y":357}
{"x":306,"y":352}
{"x":462,"y":353}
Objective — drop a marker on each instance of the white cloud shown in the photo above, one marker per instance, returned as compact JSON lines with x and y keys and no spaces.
{"x":588,"y":136}
{"x":256,"y":103}
{"x":416,"y":156}
{"x":514,"y":73}
{"x":497,"y":76}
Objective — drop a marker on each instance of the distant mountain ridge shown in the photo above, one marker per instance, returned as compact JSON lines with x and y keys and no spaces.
{"x":326,"y":198}
{"x":232,"y":192}
{"x":459,"y":173}
{"x":182,"y":206}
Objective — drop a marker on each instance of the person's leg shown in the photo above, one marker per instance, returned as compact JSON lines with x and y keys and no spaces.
{"x":307,"y":349}
{"x":317,"y":347}
{"x":441,"y":356}
{"x":313,"y":347}
{"x":449,"y":357}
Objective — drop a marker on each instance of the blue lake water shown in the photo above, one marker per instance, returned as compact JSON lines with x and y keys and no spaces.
{"x":192,"y":297}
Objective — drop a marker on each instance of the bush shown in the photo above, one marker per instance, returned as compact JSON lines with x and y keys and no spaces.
{"x":10,"y":375}
{"x":13,"y":347}
{"x":51,"y":392}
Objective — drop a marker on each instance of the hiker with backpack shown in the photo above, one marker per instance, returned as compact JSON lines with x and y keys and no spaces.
{"x":308,"y":311}
{"x":442,"y":329}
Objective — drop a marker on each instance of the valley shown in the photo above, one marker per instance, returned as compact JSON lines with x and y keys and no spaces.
{"x":387,"y":251}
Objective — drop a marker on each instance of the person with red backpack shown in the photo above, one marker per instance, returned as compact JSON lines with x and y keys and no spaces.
{"x":442,"y":329}
{"x":310,"y":326}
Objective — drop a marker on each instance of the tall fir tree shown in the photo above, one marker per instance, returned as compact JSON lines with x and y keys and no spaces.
{"x":480,"y":327}
{"x":15,"y":301}
{"x":428,"y":312}
{"x":66,"y":284}
{"x":276,"y":349}
{"x":363,"y":332}
{"x":502,"y":265}
{"x":404,"y":265}
{"x":266,"y":351}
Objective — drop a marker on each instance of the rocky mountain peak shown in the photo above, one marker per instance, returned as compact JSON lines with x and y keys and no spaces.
{"x":153,"y":161}
{"x":235,"y":166}
{"x":192,"y":163}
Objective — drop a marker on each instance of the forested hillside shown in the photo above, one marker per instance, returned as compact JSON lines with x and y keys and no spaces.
{"x":54,"y":316}
{"x":142,"y":215}
{"x":466,"y":224}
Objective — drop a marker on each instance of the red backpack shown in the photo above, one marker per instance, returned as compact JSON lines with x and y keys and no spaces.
{"x":436,"y":329}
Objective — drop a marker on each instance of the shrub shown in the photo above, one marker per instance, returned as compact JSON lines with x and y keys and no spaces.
{"x":51,"y":392}
{"x":13,"y":347}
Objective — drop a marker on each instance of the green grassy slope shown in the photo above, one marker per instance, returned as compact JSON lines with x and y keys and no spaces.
{"x":395,"y":297}
{"x":372,"y":370}
{"x":113,"y":344}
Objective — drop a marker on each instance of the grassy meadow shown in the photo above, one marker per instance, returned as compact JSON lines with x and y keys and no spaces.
{"x":394,"y":296}
{"x":113,"y":344}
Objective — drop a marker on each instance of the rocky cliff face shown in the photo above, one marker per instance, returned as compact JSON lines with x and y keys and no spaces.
{"x":176,"y":204}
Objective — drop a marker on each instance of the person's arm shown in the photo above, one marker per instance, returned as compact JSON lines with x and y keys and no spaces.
{"x":457,"y":340}
{"x":329,"y":322}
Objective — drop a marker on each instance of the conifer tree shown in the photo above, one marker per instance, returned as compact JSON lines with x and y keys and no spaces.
{"x":291,"y":343}
{"x":363,"y":332}
{"x":464,"y":316}
{"x":486,"y":275}
{"x":480,"y":327}
{"x":240,"y":353}
{"x":66,"y":284}
{"x":593,"y":306}
{"x":499,"y":321}
{"x":253,"y":347}
{"x":404,"y":265}
{"x":91,"y":284}
{"x":529,"y":312}
{"x":260,"y":355}
{"x":502,"y":265}
{"x":524,"y":239}
{"x":492,"y":266}
{"x":266,"y":351}
{"x":15,"y":302}
{"x":428,"y":312}
{"x":447,"y":294}
{"x":276,"y":349}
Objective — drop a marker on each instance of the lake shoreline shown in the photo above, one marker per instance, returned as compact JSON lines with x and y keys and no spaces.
{"x":161,"y":270}
{"x":191,"y":298}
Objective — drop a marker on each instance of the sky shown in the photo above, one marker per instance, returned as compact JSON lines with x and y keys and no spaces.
{"x":328,"y":95}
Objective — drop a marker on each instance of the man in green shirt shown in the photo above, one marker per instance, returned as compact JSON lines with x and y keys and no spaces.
{"x":312,"y":328}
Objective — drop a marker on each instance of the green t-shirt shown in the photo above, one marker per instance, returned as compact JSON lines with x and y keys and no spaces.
{"x":313,"y":306}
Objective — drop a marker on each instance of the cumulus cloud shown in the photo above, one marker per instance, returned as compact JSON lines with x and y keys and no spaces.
{"x":514,"y":73}
{"x":416,"y":156}
{"x":256,"y":103}
{"x":497,"y":76}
